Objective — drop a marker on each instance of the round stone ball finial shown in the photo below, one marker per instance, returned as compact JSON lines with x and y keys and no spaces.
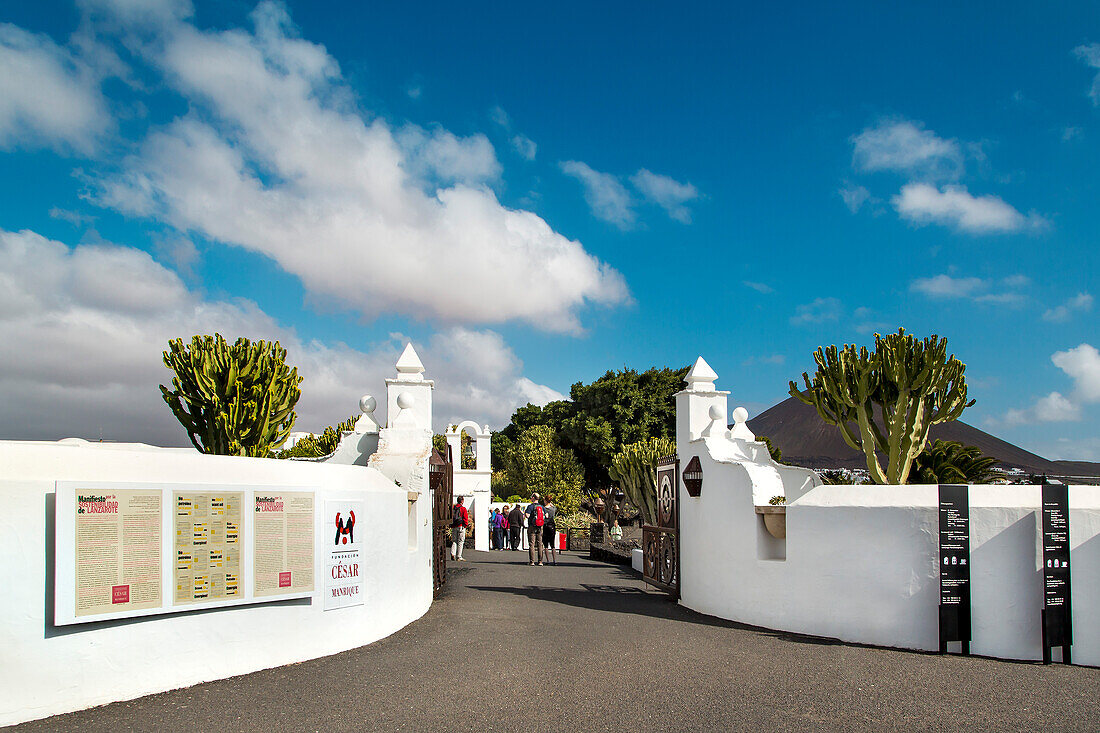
{"x":740,"y":415}
{"x":716,"y":412}
{"x":367,"y":404}
{"x":405,"y":400}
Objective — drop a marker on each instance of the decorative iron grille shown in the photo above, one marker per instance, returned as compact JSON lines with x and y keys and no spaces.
{"x":661,"y":542}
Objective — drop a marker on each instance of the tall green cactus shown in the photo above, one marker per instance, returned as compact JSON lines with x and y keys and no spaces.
{"x":235,"y":400}
{"x":913,"y":384}
{"x":635,"y":470}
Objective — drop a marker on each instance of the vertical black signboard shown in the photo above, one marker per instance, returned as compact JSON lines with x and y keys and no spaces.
{"x":954,"y":566}
{"x":1056,"y":619}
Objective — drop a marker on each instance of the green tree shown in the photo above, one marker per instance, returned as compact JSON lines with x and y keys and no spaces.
{"x":538,"y":463}
{"x":316,"y":446}
{"x":234,"y":399}
{"x":617,"y":409}
{"x":908,"y":385}
{"x":951,"y":462}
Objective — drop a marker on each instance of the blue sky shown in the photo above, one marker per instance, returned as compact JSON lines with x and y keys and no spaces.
{"x":533,"y":197}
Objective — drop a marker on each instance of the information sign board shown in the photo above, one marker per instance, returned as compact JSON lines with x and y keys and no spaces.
{"x":282,"y":543}
{"x":1057,"y":616}
{"x":954,"y":566}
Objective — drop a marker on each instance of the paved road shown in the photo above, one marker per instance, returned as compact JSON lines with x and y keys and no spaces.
{"x":584,"y":647}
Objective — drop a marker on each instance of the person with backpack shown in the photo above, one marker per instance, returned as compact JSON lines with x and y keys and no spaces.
{"x":536,"y":517}
{"x":460,"y":520}
{"x":503,"y":543}
{"x":515,"y":525}
{"x":549,"y":531}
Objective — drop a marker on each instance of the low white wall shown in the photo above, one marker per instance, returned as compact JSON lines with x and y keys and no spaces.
{"x":859,"y":563}
{"x":46,"y":669}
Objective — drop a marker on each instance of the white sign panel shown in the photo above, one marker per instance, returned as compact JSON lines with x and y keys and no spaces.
{"x":343,"y":534}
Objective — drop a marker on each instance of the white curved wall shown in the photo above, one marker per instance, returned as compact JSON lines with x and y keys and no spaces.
{"x":45,"y":670}
{"x":861,"y":562}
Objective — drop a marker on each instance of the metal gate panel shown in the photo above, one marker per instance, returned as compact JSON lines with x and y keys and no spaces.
{"x":441,"y":473}
{"x":661,"y":542}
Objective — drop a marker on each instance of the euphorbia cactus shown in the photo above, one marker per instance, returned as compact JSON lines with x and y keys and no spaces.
{"x":233,"y":400}
{"x":914,"y":385}
{"x":635,"y":470}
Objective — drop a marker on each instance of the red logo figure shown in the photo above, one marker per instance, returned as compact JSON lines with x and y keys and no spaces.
{"x":344,"y":528}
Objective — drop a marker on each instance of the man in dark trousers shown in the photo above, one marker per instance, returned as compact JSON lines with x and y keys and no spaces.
{"x":535,"y":518}
{"x":515,"y":525}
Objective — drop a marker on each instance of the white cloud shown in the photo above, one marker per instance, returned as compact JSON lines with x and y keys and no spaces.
{"x":1090,"y":54}
{"x":274,"y":157}
{"x":771,"y":360}
{"x":500,"y":117}
{"x":921,"y":203}
{"x":905,"y":146}
{"x":1080,"y":303}
{"x":48,"y":95}
{"x":668,"y":193}
{"x":606,"y":196}
{"x":75,"y":218}
{"x":1082,"y":365}
{"x":758,"y":287}
{"x":819,"y":310}
{"x":945,"y":286}
{"x":441,"y":157}
{"x":854,"y":197}
{"x":91,"y":323}
{"x":525,"y":146}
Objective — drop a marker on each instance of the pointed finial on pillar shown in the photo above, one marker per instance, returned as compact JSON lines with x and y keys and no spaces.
{"x":409,"y":366}
{"x":701,"y":377}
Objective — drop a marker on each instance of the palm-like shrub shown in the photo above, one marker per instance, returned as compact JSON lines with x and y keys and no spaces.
{"x":317,"y":446}
{"x":950,"y":462}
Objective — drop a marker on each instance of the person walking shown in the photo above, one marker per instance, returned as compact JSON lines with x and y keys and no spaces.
{"x":460,"y":521}
{"x":549,"y":531}
{"x":536,"y":516}
{"x":515,"y":526}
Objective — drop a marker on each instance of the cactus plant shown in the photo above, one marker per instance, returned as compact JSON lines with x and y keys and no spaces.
{"x":634,"y":468}
{"x":234,"y":399}
{"x":909,"y":385}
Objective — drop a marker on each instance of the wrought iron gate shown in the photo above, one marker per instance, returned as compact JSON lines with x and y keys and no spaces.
{"x":441,"y":477}
{"x":661,"y":543}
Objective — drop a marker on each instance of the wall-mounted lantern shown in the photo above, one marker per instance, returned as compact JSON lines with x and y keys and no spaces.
{"x":693,"y":477}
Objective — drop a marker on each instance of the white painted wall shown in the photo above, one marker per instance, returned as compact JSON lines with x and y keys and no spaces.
{"x":45,"y":670}
{"x":860,"y":563}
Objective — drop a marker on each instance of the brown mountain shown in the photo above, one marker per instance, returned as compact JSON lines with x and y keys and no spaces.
{"x":806,"y":440}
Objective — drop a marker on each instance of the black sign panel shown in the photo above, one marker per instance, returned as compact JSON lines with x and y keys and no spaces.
{"x":1057,"y":627}
{"x":954,"y":566}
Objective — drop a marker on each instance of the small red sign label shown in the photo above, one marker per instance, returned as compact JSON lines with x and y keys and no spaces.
{"x":120,"y":594}
{"x":284,"y":579}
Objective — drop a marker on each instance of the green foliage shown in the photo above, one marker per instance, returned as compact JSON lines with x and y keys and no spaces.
{"x":776,"y":453}
{"x":234,"y":399}
{"x":316,"y":446}
{"x":634,"y":468}
{"x":832,"y":476}
{"x":617,"y":409}
{"x":515,"y":499}
{"x":778,"y":501}
{"x":439,"y":442}
{"x":950,"y":462}
{"x":576,"y":520}
{"x":909,"y":385}
{"x":537,"y":463}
